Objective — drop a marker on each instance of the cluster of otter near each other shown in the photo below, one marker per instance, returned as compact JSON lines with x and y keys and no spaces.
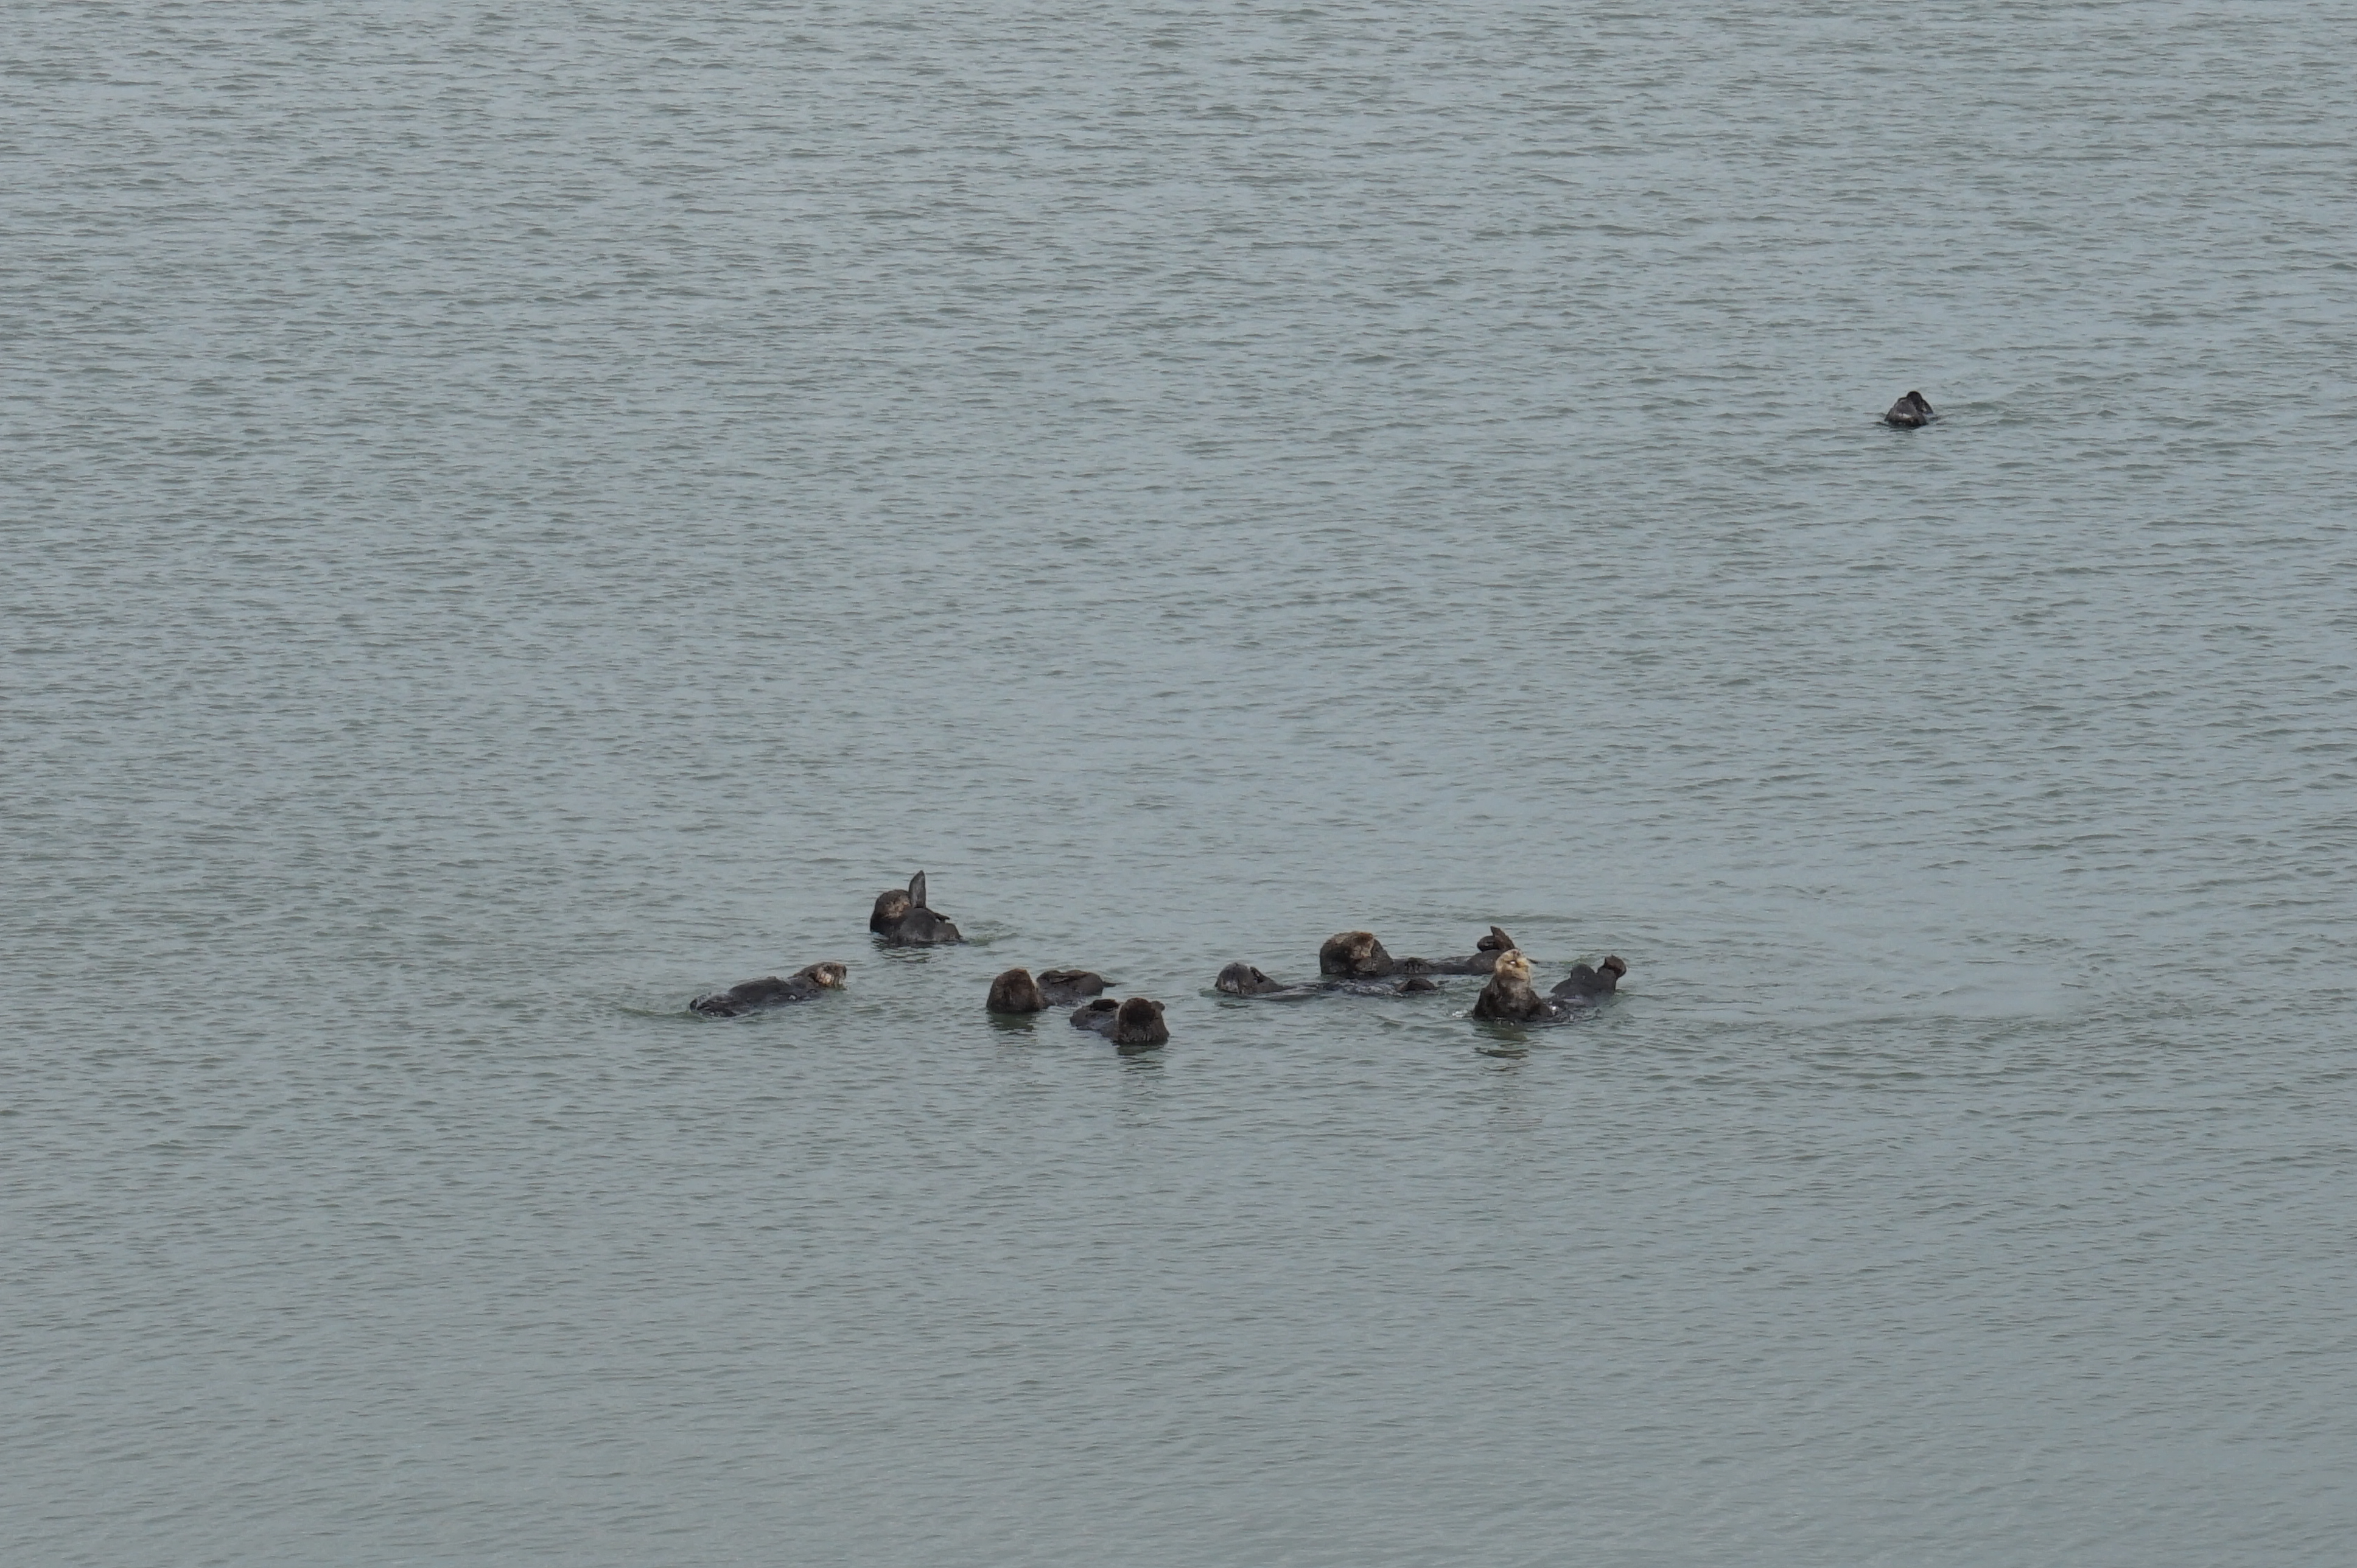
{"x":1350,"y":963}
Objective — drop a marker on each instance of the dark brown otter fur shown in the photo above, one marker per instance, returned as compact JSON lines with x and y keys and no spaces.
{"x":1097,"y":1014}
{"x":1909,"y":412}
{"x":903,"y":920}
{"x":1357,"y":955}
{"x":811,"y":980}
{"x":1139,"y":1025}
{"x":1071,"y":984}
{"x":1016,"y":991}
{"x":1508,"y":996}
{"x":1586,"y":983}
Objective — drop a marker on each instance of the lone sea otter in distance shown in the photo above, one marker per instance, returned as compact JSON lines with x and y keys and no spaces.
{"x":1909,"y":412}
{"x":903,"y":922}
{"x":813,"y":979}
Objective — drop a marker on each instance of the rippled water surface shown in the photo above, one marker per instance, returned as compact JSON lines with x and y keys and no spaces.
{"x":512,"y":516}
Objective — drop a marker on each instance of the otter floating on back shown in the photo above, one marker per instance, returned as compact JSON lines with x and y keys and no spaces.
{"x":1909,"y":412}
{"x":813,"y":980}
{"x":1016,"y":991}
{"x":1357,"y":955}
{"x":1508,"y":999}
{"x":1241,"y":979}
{"x":903,"y":920}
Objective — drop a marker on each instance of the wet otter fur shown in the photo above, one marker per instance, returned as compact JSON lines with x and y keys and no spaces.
{"x":1016,"y":991}
{"x":1357,"y":955}
{"x":1909,"y":412}
{"x":1136,"y":1023}
{"x":1509,"y":997}
{"x":753,"y":995}
{"x":1241,"y":979}
{"x":1097,"y":1014}
{"x":1071,"y":984}
{"x":1138,"y":1026}
{"x":1586,"y":984}
{"x":903,"y":920}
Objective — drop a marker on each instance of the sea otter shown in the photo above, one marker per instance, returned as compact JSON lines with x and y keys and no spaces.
{"x":1357,"y":955}
{"x":903,"y":922}
{"x":1509,"y":997}
{"x":1241,"y":979}
{"x":1097,"y":1014}
{"x":1586,"y":984}
{"x":1909,"y":412}
{"x":1133,"y":1025}
{"x":814,"y":980}
{"x":1016,"y":991}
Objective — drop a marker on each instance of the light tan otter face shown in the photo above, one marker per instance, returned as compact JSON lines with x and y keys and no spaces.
{"x":892,"y":906}
{"x":1512,"y":965}
{"x":832,"y":975}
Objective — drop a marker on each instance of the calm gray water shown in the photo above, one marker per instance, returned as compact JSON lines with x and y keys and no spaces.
{"x":511,"y":517}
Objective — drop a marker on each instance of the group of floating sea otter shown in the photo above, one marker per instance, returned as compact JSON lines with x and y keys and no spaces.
{"x":1352,"y":963}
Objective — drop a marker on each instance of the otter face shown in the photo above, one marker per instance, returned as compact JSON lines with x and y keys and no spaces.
{"x":1354,"y":954}
{"x":830,"y":974}
{"x":891,"y":909}
{"x":1512,"y":966}
{"x":1241,"y":979}
{"x":1614,"y":967}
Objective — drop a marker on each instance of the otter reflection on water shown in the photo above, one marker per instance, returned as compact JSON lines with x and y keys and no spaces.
{"x":1508,"y":998}
{"x":1016,"y":991}
{"x":1134,"y":1026}
{"x":903,"y":920}
{"x":813,"y":979}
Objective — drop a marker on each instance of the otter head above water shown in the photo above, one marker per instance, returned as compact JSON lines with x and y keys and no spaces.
{"x":1909,"y":412}
{"x":1016,"y":991}
{"x":1138,"y":1026}
{"x":903,"y":920}
{"x":1509,"y":997}
{"x":1241,"y":979}
{"x":752,"y":996}
{"x":1356,"y":954}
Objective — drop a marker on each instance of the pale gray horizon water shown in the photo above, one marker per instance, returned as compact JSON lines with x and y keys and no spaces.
{"x":516,"y":517}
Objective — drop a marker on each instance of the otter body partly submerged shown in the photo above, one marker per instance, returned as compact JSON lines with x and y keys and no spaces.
{"x":810,"y":980}
{"x":903,"y":920}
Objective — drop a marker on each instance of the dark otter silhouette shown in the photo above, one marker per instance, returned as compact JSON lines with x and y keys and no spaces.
{"x":1357,"y":955}
{"x":813,"y":979}
{"x":1241,"y":979}
{"x":1097,"y":1014}
{"x":1133,"y":1025}
{"x":1584,"y":983}
{"x":1063,"y":985}
{"x":902,"y":919}
{"x":1909,"y":412}
{"x":1016,"y":991}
